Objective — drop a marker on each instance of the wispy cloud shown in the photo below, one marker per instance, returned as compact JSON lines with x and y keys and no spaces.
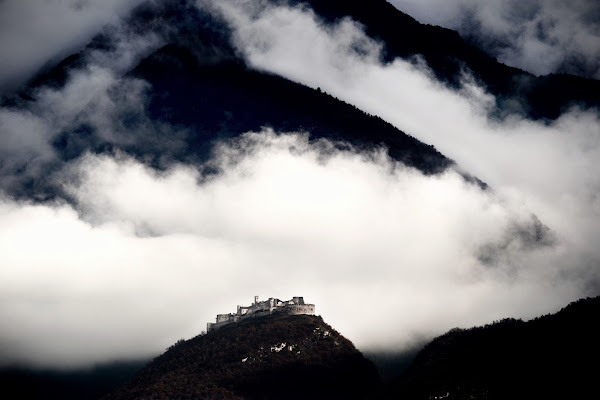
{"x":95,"y":97}
{"x":34,"y":33}
{"x":540,"y":36}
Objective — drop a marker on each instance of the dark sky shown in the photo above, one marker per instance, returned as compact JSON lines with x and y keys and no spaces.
{"x":131,"y":258}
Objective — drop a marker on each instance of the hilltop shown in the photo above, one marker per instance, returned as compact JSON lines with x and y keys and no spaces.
{"x":273,"y":357}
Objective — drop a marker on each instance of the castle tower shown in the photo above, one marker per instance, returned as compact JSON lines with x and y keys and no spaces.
{"x":255,"y":299}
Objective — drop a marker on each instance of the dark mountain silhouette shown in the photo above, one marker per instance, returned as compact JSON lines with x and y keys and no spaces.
{"x":272,"y":357}
{"x":221,"y":101}
{"x":553,"y":356}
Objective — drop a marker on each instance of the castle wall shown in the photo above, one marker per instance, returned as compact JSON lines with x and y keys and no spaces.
{"x":225,"y":318}
{"x":296,"y":309}
{"x":216,"y":325}
{"x":295,"y":306}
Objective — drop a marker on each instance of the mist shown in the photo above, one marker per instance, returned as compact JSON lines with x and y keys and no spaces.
{"x":36,"y":34}
{"x":95,"y":95}
{"x":546,"y":169}
{"x":539,"y":36}
{"x":387,"y":254}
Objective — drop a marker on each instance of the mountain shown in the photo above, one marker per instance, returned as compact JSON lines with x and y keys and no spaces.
{"x":198,"y":90}
{"x":448,"y":56}
{"x":221,"y":101}
{"x":273,"y":357}
{"x":548,"y":357}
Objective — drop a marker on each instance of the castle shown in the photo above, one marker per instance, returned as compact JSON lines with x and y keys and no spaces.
{"x":261,"y":308}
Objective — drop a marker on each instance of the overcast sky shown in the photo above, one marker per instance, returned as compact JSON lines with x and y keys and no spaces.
{"x":138,"y":258}
{"x":35,"y":33}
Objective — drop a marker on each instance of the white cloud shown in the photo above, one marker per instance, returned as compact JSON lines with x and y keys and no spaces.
{"x":540,"y":36}
{"x":386,"y":253}
{"x":546,"y":169}
{"x":511,"y":155}
{"x":88,"y":97}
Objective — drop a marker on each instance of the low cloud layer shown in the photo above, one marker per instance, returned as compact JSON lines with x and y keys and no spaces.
{"x":387,"y":254}
{"x":540,"y":36}
{"x":34,"y":33}
{"x":547,"y":169}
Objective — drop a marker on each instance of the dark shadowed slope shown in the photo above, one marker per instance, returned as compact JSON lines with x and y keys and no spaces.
{"x":554,"y":356}
{"x":87,"y":384}
{"x":274,"y":357}
{"x":223,"y":100}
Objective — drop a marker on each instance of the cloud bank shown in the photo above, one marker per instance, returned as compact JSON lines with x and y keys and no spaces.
{"x":539,"y":36}
{"x":146,"y":257}
{"x":547,"y":169}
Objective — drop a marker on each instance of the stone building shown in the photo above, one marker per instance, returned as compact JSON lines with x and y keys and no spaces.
{"x":261,"y":308}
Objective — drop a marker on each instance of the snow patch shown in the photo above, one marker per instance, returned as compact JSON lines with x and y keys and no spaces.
{"x":278,"y":348}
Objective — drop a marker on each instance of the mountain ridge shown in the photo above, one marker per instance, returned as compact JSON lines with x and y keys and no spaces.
{"x":448,"y":55}
{"x":546,"y":357}
{"x":229,"y":98}
{"x":197,"y":85}
{"x":475,"y":362}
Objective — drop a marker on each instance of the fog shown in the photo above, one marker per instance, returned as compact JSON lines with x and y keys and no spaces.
{"x":386,"y":254}
{"x":539,"y":36}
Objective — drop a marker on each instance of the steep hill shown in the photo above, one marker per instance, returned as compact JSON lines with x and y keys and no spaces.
{"x":553,"y":356}
{"x":274,"y":357}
